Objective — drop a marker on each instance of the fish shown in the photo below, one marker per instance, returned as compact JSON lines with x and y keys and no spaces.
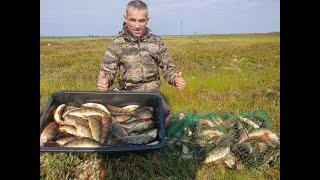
{"x":95,"y":125}
{"x":83,"y":112}
{"x":82,"y":142}
{"x":96,"y":106}
{"x":125,"y":109}
{"x":135,"y":133}
{"x":217,"y":154}
{"x":117,"y":130}
{"x":81,"y":125}
{"x":128,"y":126}
{"x":243,"y":151}
{"x":105,"y":129}
{"x":229,"y":122}
{"x":51,"y":144}
{"x":211,"y":133}
{"x":216,"y":140}
{"x":263,"y":134}
{"x":74,"y":120}
{"x":143,"y":114}
{"x":62,"y":140}
{"x":150,"y":108}
{"x":152,"y":133}
{"x":231,"y":160}
{"x":153,"y":143}
{"x":69,"y":129}
{"x":83,"y":130}
{"x":249,"y":122}
{"x":69,"y":108}
{"x":142,"y":126}
{"x":130,"y":120}
{"x":49,"y":133}
{"x":139,"y":139}
{"x":262,"y":147}
{"x":207,"y":122}
{"x":58,"y":114}
{"x":121,"y":118}
{"x":217,"y":121}
{"x":130,"y":108}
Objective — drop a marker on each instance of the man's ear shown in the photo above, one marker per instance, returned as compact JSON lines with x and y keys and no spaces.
{"x":125,"y":19}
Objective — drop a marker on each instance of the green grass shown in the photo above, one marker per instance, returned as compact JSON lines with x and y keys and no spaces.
{"x":223,"y":73}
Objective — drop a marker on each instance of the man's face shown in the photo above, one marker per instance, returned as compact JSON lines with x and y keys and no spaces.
{"x":136,"y":21}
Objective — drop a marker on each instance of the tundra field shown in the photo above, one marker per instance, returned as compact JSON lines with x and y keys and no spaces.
{"x":223,"y":73}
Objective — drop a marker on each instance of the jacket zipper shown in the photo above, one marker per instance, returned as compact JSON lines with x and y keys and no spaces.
{"x":143,"y":77}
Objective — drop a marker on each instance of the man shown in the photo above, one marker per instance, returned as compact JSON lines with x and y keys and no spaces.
{"x":138,"y":54}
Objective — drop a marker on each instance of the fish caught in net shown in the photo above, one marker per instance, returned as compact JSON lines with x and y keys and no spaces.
{"x":225,"y":138}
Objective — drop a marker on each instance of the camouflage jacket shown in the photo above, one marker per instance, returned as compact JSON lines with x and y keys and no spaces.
{"x":139,"y":61}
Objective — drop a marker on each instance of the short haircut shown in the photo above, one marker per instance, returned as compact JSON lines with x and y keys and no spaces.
{"x":137,"y":4}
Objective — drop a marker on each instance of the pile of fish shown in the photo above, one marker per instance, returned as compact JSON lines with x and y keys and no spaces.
{"x":96,"y":125}
{"x":235,"y":143}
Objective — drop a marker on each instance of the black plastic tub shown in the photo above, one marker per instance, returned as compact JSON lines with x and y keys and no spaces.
{"x":76,"y":98}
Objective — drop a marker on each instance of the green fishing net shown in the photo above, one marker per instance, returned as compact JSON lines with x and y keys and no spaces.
{"x":247,"y":140}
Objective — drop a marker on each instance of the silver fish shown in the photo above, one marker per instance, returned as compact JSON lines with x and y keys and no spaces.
{"x":153,"y":143}
{"x":249,"y":122}
{"x":217,"y":154}
{"x":211,"y":133}
{"x":263,"y":134}
{"x":142,"y":126}
{"x":51,"y":144}
{"x":83,"y":131}
{"x":82,"y":142}
{"x":105,"y":129}
{"x":58,"y":114}
{"x":73,"y":120}
{"x":262,"y":147}
{"x":69,"y":108}
{"x":130,"y":108}
{"x":143,"y":114}
{"x":152,"y":132}
{"x":117,"y":130}
{"x":150,"y":108}
{"x":83,"y":112}
{"x":135,"y":133}
{"x":69,"y":129}
{"x":95,"y":125}
{"x":131,"y":125}
{"x":130,"y":120}
{"x":48,"y":133}
{"x":121,"y":118}
{"x":207,"y":122}
{"x":139,"y":139}
{"x":125,"y":109}
{"x":231,"y":160}
{"x":217,"y":121}
{"x":81,"y":125}
{"x":96,"y":106}
{"x":61,"y":141}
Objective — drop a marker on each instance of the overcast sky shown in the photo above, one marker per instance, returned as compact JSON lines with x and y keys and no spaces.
{"x":105,"y":17}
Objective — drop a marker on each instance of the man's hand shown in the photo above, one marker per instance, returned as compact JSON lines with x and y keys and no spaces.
{"x":102,"y":81}
{"x":179,"y":81}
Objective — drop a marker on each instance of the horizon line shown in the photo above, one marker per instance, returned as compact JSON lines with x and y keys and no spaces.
{"x":195,"y":34}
